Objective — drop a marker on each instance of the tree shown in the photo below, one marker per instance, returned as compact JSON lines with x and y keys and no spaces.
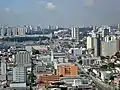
{"x":104,"y":67}
{"x":36,"y":52}
{"x":117,"y":54}
{"x":32,"y":77}
{"x":117,"y":65}
{"x":111,"y":65}
{"x":111,"y":77}
{"x":80,"y":62}
{"x":107,"y":57}
{"x":103,"y":57}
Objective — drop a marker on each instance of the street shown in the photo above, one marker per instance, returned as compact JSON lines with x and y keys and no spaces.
{"x":97,"y":81}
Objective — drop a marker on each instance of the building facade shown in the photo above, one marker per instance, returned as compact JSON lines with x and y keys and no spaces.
{"x":67,"y":70}
{"x":19,"y":75}
{"x":97,"y":46}
{"x":22,"y":57}
{"x":75,"y":34}
{"x":89,"y":42}
{"x":109,"y":46}
{"x":3,"y":67}
{"x":21,"y":31}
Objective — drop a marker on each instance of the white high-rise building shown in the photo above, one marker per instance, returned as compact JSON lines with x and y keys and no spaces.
{"x":119,"y":27}
{"x":89,"y":42}
{"x":3,"y":67}
{"x":109,"y":46}
{"x":9,"y":31}
{"x":110,"y":38}
{"x":3,"y":31}
{"x":75,"y":34}
{"x":22,"y":57}
{"x":19,"y":74}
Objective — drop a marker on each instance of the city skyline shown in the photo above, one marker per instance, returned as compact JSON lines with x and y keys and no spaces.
{"x":59,"y":12}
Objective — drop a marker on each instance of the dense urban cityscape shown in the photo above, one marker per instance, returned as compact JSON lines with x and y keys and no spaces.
{"x":59,"y":58}
{"x":59,"y":44}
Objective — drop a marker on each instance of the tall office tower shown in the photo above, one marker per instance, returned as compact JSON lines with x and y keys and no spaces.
{"x":109,"y":46}
{"x":97,"y":46}
{"x":9,"y":31}
{"x":22,"y":57}
{"x":21,"y":31}
{"x":3,"y":66}
{"x":19,"y":74}
{"x":75,"y":34}
{"x":118,"y":27}
{"x":89,"y":42}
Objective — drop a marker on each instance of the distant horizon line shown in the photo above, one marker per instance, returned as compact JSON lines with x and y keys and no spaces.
{"x":53,"y":26}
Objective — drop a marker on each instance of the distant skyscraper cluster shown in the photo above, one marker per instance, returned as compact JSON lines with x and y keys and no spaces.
{"x":12,"y":31}
{"x":103,"y":42}
{"x":7,"y":31}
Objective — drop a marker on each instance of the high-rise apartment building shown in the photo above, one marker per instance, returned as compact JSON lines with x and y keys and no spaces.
{"x":21,"y":31}
{"x":89,"y":42}
{"x":22,"y":57}
{"x":109,"y":46}
{"x":118,"y":27}
{"x":3,"y":31}
{"x":105,"y":32}
{"x":14,"y":31}
{"x":9,"y":31}
{"x":75,"y":34}
{"x":19,"y":74}
{"x":97,"y":46}
{"x":3,"y":66}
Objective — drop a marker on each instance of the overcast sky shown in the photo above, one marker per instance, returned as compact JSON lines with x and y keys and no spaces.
{"x":59,"y":12}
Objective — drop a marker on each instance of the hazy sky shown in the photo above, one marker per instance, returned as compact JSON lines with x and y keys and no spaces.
{"x":59,"y":12}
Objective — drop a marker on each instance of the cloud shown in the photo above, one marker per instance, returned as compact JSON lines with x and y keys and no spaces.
{"x":7,"y":9}
{"x":50,"y":6}
{"x":89,"y":3}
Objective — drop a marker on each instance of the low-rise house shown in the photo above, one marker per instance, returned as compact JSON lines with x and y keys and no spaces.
{"x":77,"y":82}
{"x":47,"y":79}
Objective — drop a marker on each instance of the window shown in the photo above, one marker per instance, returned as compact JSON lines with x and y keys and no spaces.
{"x":67,"y":70}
